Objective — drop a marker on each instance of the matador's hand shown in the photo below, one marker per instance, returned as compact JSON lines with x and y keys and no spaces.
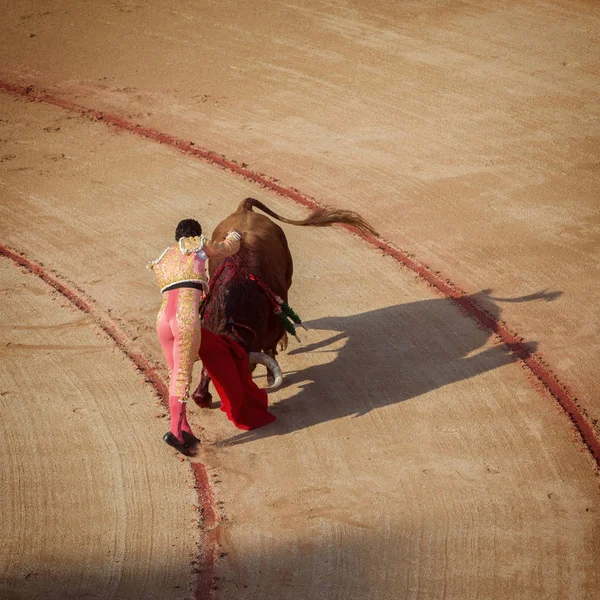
{"x":234,"y":235}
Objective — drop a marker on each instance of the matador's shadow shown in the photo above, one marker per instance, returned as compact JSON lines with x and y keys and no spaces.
{"x":386,"y":356}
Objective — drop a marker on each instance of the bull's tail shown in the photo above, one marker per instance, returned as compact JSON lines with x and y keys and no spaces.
{"x":320,"y":217}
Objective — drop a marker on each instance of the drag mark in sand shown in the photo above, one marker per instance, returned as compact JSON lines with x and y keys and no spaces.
{"x":533,"y":363}
{"x":208,"y":541}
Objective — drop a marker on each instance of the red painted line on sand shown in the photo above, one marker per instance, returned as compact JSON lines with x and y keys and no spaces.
{"x":208,"y":545}
{"x":560,"y":392}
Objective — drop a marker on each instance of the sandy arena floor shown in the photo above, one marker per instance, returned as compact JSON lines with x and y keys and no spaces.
{"x":415,"y":455}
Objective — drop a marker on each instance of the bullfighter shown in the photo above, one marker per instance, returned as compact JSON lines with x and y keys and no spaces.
{"x":181,"y":274}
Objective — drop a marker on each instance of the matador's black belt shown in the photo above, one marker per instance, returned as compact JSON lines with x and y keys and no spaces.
{"x":197,"y":285}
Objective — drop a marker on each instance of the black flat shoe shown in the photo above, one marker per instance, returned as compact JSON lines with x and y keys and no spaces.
{"x":190,"y":440}
{"x":172,"y":440}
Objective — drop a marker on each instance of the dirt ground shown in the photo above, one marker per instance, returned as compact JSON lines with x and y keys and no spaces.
{"x":414,"y":456}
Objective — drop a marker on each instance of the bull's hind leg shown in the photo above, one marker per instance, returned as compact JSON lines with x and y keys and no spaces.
{"x":202,"y":397}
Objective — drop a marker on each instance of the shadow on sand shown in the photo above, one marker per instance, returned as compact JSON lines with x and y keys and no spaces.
{"x":386,"y":356}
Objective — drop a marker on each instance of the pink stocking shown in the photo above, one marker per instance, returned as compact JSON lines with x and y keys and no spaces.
{"x":185,"y":426}
{"x":179,"y":420}
{"x":179,"y":336}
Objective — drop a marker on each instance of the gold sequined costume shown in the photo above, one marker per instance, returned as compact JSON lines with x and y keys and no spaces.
{"x":181,"y":274}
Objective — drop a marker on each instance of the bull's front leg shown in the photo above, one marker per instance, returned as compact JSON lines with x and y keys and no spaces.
{"x":202,"y":397}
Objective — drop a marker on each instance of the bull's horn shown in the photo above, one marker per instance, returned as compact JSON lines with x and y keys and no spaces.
{"x":270,"y":363}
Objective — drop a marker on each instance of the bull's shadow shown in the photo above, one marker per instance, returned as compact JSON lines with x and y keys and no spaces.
{"x":386,"y":356}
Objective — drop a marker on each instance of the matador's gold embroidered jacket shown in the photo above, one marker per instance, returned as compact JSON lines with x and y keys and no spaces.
{"x":186,"y":261}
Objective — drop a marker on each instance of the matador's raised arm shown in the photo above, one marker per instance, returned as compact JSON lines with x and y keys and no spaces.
{"x":229,"y":246}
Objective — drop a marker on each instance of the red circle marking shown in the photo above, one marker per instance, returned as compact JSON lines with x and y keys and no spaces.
{"x":208,"y":544}
{"x":534,"y":363}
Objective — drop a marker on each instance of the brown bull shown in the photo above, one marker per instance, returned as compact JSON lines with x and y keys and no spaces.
{"x":241,"y":303}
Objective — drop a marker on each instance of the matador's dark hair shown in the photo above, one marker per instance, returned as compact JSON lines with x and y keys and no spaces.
{"x":187,"y":228}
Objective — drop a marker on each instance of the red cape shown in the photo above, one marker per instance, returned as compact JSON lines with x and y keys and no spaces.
{"x":226,"y":363}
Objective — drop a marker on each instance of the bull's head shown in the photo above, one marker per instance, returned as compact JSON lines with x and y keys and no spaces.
{"x":237,"y":308}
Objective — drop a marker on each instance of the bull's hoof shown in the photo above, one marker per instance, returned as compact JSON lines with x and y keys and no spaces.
{"x":203,"y":400}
